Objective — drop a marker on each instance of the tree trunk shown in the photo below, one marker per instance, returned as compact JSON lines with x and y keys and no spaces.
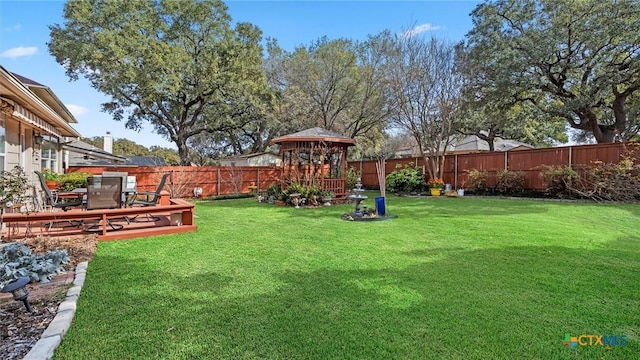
{"x":602,"y":133}
{"x":183,"y":151}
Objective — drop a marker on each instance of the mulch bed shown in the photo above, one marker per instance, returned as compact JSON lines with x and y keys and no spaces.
{"x":19,"y":329}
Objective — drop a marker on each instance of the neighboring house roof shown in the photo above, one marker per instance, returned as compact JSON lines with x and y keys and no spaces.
{"x":474,"y":143}
{"x":315,"y":134}
{"x":249,"y":156}
{"x":35,"y":104}
{"x":90,"y":151}
{"x":145,"y":161}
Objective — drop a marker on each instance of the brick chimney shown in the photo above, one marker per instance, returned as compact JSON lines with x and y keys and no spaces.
{"x":108,"y":143}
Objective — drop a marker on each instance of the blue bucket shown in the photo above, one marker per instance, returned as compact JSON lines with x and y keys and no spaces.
{"x":380,"y":205}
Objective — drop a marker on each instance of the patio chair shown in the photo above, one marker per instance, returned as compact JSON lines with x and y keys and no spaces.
{"x":52,"y":200}
{"x":104,"y":193}
{"x":128,"y":188}
{"x":145,"y":199}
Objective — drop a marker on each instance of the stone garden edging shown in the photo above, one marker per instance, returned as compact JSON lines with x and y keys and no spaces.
{"x":52,"y":336}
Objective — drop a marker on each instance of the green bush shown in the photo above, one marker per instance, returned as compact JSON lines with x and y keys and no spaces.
{"x":295,"y":188}
{"x":558,"y":180}
{"x":406,"y":179}
{"x":477,"y":180}
{"x":70,"y":181}
{"x":311,"y":190}
{"x":510,"y":181}
{"x":352,"y":175}
{"x":274,"y":190}
{"x":230,"y":196}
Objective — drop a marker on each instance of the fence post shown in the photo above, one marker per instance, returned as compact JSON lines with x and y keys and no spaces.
{"x":506,"y":161}
{"x":258,"y":179}
{"x":455,"y":171}
{"x":570,"y":155}
{"x":218,"y":180}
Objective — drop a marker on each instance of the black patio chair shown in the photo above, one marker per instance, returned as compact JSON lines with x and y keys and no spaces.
{"x":148,"y":198}
{"x":55,"y":202}
{"x":104,"y":193}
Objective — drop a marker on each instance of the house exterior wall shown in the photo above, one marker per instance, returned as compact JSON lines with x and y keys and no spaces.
{"x":27,"y":112}
{"x":20,"y":148}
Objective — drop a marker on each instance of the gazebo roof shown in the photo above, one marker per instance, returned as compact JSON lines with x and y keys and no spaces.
{"x":315,"y":134}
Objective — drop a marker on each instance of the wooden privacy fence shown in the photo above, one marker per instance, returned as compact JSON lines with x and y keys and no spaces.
{"x":224,"y":180}
{"x":531,"y":162}
{"x":213,"y":180}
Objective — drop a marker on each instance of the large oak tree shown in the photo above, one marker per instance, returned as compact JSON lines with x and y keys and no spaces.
{"x":178,"y":65}
{"x":578,"y":60}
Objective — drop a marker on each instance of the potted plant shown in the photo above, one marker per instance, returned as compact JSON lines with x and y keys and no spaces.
{"x":51,"y":178}
{"x":273,"y":193}
{"x":435,"y":186}
{"x":13,"y":186}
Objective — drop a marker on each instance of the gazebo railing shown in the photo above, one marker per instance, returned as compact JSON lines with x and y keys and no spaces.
{"x":337,"y":186}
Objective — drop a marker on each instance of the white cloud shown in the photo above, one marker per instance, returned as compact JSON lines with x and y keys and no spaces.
{"x":19,"y":52}
{"x":13,"y":28}
{"x":76,"y":110}
{"x":420,"y":29}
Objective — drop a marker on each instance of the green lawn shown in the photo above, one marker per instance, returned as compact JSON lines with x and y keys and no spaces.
{"x":466,"y":278}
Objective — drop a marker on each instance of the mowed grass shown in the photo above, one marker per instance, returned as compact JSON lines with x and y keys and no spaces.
{"x":466,"y":278}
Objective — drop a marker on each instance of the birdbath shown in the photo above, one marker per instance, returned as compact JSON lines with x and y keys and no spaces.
{"x":358,"y":197}
{"x":295,"y":199}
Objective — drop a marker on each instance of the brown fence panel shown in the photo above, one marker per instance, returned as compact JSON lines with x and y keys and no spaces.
{"x":213,"y":180}
{"x":531,"y":162}
{"x":490,"y":162}
{"x":586,"y":155}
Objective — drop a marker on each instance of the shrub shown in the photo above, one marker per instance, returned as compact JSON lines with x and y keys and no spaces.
{"x":352,"y":175}
{"x":558,"y":180}
{"x":510,"y":181}
{"x":613,"y":182}
{"x":17,"y":260}
{"x":295,"y":188}
{"x":70,"y":181}
{"x":311,"y":190}
{"x":406,"y":179}
{"x":274,"y":190}
{"x":477,"y":180}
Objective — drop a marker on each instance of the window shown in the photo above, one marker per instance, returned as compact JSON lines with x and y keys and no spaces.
{"x":49,"y":153}
{"x":3,"y":138}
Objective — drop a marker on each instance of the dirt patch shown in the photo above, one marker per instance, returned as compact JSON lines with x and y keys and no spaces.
{"x":19,"y":329}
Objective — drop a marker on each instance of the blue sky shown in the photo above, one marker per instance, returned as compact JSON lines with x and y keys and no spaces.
{"x":24,"y":34}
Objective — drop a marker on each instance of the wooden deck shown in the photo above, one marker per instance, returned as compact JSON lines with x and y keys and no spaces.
{"x":175,"y":216}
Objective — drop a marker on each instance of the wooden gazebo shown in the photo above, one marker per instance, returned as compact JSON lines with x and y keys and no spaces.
{"x":315,"y":157}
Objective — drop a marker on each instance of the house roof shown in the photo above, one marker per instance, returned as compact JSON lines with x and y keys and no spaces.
{"x":315,"y":134}
{"x":48,"y":96}
{"x":36,"y":104}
